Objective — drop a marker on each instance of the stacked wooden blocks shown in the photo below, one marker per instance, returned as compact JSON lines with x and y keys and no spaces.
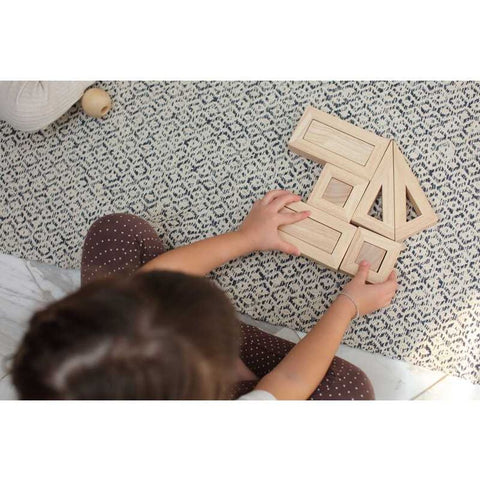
{"x":359,"y":167}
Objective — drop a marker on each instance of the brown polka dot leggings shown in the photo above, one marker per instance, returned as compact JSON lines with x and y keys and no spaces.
{"x":121,"y":243}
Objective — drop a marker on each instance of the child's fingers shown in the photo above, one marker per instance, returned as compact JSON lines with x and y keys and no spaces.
{"x":279,"y":202}
{"x":272,"y":195}
{"x":387,"y":300}
{"x":389,"y":286}
{"x":288,"y":217}
{"x":362,"y":272}
{"x":391,"y":282}
{"x":288,"y":248}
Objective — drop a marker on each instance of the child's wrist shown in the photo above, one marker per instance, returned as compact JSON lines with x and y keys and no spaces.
{"x":246,"y":240}
{"x":347,"y":306}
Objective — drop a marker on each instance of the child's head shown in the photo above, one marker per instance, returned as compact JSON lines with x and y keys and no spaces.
{"x":158,"y":335}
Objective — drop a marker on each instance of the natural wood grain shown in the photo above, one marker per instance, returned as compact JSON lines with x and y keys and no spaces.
{"x":339,"y":142}
{"x":319,"y":215}
{"x":372,"y":254}
{"x":382,"y":181}
{"x":333,"y":185}
{"x":96,"y":102}
{"x":316,"y":241}
{"x":314,"y":233}
{"x":407,"y":186}
{"x":309,"y":251}
{"x":325,"y":138}
{"x":352,"y":257}
{"x":337,"y":192}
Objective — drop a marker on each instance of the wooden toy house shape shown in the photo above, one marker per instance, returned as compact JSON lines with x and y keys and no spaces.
{"x":359,"y":166}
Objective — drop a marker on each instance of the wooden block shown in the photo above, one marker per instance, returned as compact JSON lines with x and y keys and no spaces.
{"x":381,"y":182}
{"x":381,"y":252}
{"x":407,"y":186}
{"x":314,"y":233}
{"x":337,"y":192}
{"x":321,"y":237}
{"x":372,"y":254}
{"x":325,"y":138}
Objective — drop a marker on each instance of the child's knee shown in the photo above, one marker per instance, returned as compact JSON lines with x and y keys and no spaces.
{"x":366,"y":391}
{"x":350,"y":381}
{"x":116,"y":223}
{"x":363,"y":386}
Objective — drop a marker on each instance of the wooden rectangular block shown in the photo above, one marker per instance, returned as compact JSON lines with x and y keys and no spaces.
{"x":314,"y":233}
{"x":337,"y":192}
{"x":380,"y":252}
{"x":321,"y":237}
{"x":325,"y":138}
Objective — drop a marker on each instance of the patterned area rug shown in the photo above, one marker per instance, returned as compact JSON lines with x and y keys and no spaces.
{"x":192,"y":157}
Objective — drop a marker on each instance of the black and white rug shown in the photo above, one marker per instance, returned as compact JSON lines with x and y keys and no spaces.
{"x":191,"y":157}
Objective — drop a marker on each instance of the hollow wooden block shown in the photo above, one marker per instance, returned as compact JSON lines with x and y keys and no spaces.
{"x":407,"y":186}
{"x":372,"y":254}
{"x":337,"y":192}
{"x":325,"y":138}
{"x":321,"y":237}
{"x":381,"y":182}
{"x":380,"y":252}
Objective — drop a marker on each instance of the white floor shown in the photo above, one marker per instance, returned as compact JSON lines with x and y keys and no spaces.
{"x":26,"y":286}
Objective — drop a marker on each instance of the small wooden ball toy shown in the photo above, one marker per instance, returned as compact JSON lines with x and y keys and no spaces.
{"x":96,"y":102}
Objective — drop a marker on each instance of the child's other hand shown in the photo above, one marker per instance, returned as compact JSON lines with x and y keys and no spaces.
{"x":371,"y":297}
{"x":260,"y":228}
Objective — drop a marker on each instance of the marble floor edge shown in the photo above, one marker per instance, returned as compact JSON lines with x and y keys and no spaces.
{"x":416,"y":397}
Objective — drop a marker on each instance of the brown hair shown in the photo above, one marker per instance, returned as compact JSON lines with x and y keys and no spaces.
{"x":156,"y":335}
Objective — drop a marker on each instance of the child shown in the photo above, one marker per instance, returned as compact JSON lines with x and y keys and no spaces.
{"x":147,"y":325}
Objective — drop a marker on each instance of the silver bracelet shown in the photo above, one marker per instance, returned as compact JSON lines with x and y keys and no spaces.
{"x":357,"y":313}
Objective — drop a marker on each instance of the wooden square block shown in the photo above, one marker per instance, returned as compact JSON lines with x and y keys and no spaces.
{"x":337,"y":192}
{"x":321,"y":237}
{"x":325,"y":138}
{"x":372,"y":254}
{"x":381,"y":252}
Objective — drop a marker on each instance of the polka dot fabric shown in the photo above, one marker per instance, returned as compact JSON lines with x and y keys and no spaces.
{"x":118,"y":243}
{"x":121,"y":243}
{"x":262,"y":352}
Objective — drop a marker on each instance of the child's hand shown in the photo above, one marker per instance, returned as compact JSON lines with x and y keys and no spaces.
{"x":260,"y":228}
{"x":371,"y":297}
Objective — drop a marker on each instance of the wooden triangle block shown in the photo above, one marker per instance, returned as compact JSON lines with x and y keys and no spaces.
{"x":407,"y":186}
{"x":382,"y":180}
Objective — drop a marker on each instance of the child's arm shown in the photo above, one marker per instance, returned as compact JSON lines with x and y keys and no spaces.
{"x":259,"y":231}
{"x":299,"y":373}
